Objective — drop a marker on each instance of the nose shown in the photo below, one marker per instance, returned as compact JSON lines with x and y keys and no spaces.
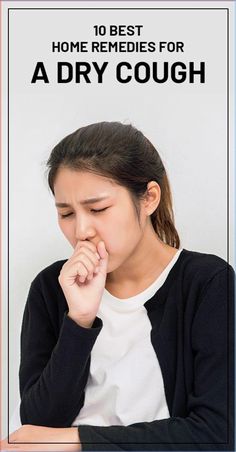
{"x":84,"y":230}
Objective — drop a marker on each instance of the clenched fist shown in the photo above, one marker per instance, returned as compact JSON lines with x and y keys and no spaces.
{"x":82,"y":279}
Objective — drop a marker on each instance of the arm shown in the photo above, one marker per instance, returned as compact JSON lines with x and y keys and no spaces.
{"x":37,"y":438}
{"x":53,"y":371}
{"x":209,"y":424}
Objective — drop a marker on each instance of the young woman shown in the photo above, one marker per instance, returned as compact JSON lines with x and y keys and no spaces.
{"x":128,"y":344}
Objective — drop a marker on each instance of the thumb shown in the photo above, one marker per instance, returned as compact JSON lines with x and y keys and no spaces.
{"x":103,"y":255}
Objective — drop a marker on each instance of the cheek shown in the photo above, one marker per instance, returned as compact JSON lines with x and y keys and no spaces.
{"x":120,"y":245}
{"x":121,"y":235}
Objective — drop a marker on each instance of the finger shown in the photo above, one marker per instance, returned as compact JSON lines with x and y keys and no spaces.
{"x":89,"y":265}
{"x":87,"y":244}
{"x":102,"y":250}
{"x":72,"y":271}
{"x":77,"y":270}
{"x":104,"y":257}
{"x":81,"y":272}
{"x":94,"y":257}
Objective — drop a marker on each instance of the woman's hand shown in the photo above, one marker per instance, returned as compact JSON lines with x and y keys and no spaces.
{"x":35,"y":434}
{"x":82,"y":279}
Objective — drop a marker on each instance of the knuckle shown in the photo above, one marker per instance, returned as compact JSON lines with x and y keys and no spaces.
{"x":86,"y":252}
{"x":82,"y":270}
{"x":86,"y":261}
{"x":84,"y":256}
{"x":85,"y":244}
{"x":82,"y":249}
{"x":82,"y":260}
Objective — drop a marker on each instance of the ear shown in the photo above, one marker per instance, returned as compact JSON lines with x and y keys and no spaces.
{"x":152,"y":197}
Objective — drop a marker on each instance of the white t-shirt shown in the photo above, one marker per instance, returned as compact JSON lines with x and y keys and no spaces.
{"x":125,"y":383}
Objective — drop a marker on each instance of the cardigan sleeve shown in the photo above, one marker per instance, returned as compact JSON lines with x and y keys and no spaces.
{"x":53,"y":370}
{"x":209,"y":423}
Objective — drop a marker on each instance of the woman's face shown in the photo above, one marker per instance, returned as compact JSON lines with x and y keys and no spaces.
{"x":92,"y":207}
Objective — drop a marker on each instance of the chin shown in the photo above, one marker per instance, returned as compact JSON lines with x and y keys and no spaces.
{"x":109,"y":268}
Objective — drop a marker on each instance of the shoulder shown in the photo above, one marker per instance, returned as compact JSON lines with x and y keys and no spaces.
{"x":198,"y":272}
{"x":48,"y":276}
{"x":194,"y":271}
{"x":202,"y":265}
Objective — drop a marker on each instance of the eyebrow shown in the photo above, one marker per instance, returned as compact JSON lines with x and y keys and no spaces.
{"x":85,"y":201}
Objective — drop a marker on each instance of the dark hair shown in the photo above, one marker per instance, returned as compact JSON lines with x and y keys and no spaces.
{"x":124,"y":154}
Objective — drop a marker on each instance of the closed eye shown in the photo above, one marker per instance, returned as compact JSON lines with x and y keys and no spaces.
{"x":66,"y":215}
{"x":99,"y":210}
{"x":92,"y":210}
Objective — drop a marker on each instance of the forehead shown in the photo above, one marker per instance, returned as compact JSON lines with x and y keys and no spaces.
{"x":84,"y":183}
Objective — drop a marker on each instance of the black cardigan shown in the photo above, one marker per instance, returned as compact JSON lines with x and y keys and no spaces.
{"x":192,"y":317}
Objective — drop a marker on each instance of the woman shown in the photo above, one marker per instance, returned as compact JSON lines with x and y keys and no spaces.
{"x":127,"y":345}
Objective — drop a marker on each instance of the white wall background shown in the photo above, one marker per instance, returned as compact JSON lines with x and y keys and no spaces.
{"x":186,"y":122}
